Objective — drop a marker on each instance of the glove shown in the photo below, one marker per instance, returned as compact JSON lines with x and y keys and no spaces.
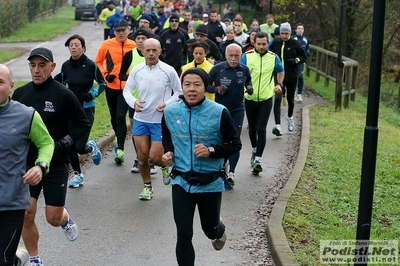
{"x":110,"y":78}
{"x":220,"y":89}
{"x":60,"y":146}
{"x":88,"y":97}
{"x":249,"y":90}
{"x":293,"y":61}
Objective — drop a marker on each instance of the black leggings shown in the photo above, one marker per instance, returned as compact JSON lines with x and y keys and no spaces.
{"x":290,"y":85}
{"x":184,"y":205}
{"x":257,"y":116}
{"x":118,"y":109}
{"x":11,"y":223}
{"x":277,"y":108}
{"x":80,"y":145}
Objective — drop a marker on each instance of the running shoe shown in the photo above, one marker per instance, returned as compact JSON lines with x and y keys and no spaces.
{"x":153,"y":170}
{"x":299,"y":98}
{"x":76,"y":180}
{"x":135,"y":167}
{"x":276,"y":130}
{"x":219,"y":243}
{"x":115,"y":146}
{"x":119,"y":156}
{"x":230,"y":179}
{"x":253,"y":156}
{"x":21,"y":256}
{"x":290,"y":123}
{"x":35,"y":262}
{"x":95,"y":153}
{"x":165,"y":173}
{"x":147,"y":193}
{"x":257,"y":167}
{"x":70,"y":229}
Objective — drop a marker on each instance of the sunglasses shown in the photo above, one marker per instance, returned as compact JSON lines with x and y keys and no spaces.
{"x":174,"y":20}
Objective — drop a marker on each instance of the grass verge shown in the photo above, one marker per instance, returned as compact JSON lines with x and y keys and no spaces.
{"x":49,"y":27}
{"x":324,"y":205}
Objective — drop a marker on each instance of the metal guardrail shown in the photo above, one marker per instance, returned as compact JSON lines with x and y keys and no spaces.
{"x":324,"y":63}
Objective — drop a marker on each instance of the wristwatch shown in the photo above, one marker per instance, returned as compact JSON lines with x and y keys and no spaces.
{"x":43,"y":166}
{"x":211,"y":150}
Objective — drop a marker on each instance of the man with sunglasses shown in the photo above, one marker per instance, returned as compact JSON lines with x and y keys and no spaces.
{"x":173,"y":39}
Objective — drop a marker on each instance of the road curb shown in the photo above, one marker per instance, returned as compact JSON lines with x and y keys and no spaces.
{"x":277,"y":242}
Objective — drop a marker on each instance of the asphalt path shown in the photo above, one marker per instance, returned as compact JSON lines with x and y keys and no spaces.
{"x":116,"y":228}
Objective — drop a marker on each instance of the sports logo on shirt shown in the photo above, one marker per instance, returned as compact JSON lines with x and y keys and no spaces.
{"x":48,"y":107}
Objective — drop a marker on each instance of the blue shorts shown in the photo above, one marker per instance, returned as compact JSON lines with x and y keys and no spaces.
{"x":153,"y":130}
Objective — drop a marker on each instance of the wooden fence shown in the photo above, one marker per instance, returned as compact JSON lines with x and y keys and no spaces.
{"x":325,"y":63}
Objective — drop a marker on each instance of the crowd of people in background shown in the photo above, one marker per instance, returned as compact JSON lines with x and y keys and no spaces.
{"x":183,"y":71}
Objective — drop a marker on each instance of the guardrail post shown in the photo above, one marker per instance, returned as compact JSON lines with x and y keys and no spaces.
{"x":339,"y":89}
{"x":354,"y":83}
{"x":327,"y":70}
{"x":317,"y":66}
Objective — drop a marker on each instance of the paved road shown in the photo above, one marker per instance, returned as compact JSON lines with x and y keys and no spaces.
{"x":116,"y":228}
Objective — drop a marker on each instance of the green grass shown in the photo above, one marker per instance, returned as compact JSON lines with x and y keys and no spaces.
{"x":324,"y":206}
{"x":45,"y":29}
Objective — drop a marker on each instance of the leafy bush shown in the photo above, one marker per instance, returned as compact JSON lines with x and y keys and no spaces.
{"x":17,"y":13}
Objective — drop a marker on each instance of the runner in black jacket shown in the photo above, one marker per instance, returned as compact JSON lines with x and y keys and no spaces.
{"x":57,"y":106}
{"x":174,"y":40}
{"x":291,"y":54}
{"x":78,"y":73}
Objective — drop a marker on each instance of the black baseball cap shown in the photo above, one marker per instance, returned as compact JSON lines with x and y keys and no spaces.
{"x":42,"y":52}
{"x":121,"y":24}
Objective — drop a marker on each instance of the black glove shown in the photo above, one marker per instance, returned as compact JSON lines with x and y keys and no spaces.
{"x":60,"y":146}
{"x":293,"y":61}
{"x":110,"y":78}
{"x":87,"y":97}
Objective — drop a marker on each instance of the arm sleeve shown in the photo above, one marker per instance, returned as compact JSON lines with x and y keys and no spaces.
{"x":126,"y":62}
{"x":216,"y":54}
{"x":185,"y":54}
{"x":243,"y":60}
{"x":130,"y":86}
{"x":100,"y":80}
{"x":301,"y":54}
{"x":78,"y":118}
{"x":212,"y":76}
{"x":99,"y":60}
{"x":248,"y":77}
{"x":40,"y":136}
{"x":166,"y":137}
{"x":230,"y":136}
{"x":278,"y":64}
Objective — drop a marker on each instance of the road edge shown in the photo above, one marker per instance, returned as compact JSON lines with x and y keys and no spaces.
{"x":277,"y":242}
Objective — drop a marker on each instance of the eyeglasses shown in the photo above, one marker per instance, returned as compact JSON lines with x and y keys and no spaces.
{"x":174,"y":20}
{"x":143,"y":21}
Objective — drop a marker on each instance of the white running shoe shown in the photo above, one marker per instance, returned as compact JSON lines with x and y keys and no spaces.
{"x":71,"y":229}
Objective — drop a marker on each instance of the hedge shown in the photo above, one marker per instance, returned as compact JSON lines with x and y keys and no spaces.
{"x":16,"y":13}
